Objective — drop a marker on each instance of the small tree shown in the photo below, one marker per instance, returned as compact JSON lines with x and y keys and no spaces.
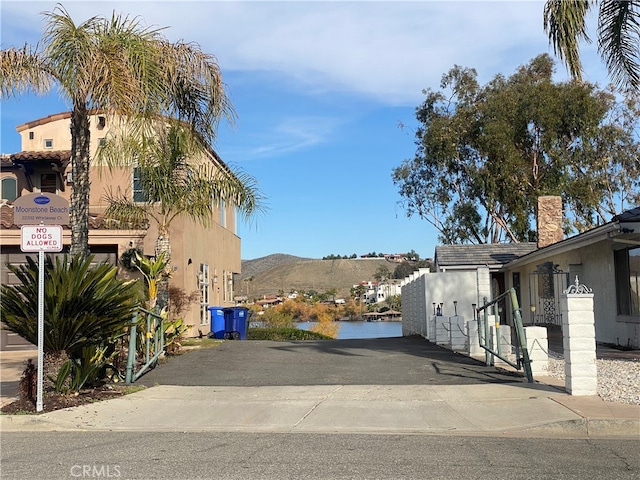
{"x":153,"y":271}
{"x":178,"y":177}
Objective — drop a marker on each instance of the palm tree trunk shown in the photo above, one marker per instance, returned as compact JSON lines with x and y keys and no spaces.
{"x":80,"y":164}
{"x":52,"y":363}
{"x":163,"y":244}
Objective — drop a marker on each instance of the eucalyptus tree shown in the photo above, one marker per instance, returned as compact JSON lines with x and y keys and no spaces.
{"x":618,"y":36}
{"x":486,"y":153}
{"x":115,"y":65}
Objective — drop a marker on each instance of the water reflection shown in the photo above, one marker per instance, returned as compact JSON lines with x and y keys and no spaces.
{"x":350,"y":330}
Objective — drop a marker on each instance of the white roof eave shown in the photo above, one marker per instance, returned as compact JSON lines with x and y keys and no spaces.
{"x":590,"y":237}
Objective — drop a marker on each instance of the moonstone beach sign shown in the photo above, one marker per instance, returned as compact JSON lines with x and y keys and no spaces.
{"x":41,"y":209}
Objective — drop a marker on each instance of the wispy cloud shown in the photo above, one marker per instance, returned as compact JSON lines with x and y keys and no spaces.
{"x":290,"y":135}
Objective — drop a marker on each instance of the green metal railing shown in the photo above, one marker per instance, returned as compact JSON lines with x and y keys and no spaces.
{"x":153,"y":339}
{"x":522,"y":353}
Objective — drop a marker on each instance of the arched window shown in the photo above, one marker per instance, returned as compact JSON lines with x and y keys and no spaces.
{"x":9,"y":189}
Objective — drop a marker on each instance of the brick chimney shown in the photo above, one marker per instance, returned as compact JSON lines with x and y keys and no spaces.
{"x":549,"y":220}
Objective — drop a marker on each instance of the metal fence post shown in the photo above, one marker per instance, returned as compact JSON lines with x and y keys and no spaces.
{"x":131,"y":359}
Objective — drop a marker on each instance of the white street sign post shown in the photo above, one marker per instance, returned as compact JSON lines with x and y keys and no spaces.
{"x":41,"y":238}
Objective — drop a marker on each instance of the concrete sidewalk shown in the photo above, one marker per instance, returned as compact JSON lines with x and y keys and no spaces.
{"x":492,"y":409}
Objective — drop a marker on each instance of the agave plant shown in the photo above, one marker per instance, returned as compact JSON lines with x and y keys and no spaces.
{"x":84,"y":305}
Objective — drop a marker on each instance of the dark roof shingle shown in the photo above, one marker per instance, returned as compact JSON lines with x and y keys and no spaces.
{"x":491,"y":254}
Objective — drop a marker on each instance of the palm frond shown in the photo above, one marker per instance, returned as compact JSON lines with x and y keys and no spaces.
{"x":194,"y":91}
{"x":84,"y":304}
{"x":23,"y":70}
{"x":124,"y":211}
{"x":565,"y":24}
{"x":619,"y":41}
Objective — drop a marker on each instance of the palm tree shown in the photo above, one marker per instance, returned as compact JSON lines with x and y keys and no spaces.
{"x":174,"y":181}
{"x":248,"y":280}
{"x":618,"y":36}
{"x":118,"y":66}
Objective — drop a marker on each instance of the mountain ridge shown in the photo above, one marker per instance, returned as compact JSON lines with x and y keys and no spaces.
{"x":280,"y":272}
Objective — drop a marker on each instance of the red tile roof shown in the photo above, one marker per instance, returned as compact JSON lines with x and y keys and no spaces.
{"x":47,"y":155}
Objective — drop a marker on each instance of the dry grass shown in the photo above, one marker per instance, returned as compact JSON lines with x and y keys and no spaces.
{"x":270,"y":277}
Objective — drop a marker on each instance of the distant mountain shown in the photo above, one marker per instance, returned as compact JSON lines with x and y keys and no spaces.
{"x":262,"y":264}
{"x":280,"y":272}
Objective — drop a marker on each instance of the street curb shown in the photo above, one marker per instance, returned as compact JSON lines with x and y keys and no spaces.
{"x":585,"y":427}
{"x":28,"y":423}
{"x":578,"y":428}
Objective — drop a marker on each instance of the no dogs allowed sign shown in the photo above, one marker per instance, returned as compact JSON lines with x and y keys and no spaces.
{"x":41,"y":238}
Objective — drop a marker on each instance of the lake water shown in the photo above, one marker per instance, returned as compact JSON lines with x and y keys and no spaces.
{"x":363,"y":329}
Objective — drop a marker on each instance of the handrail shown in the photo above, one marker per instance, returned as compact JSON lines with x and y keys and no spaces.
{"x":521,"y":345}
{"x":155,"y":330}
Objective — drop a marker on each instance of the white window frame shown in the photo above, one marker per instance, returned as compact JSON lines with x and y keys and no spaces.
{"x":203,"y":285}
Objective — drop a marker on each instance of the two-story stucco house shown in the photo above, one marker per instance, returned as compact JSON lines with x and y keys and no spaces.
{"x":203,"y":259}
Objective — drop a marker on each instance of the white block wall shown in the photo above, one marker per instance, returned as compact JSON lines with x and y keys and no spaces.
{"x":579,"y":342}
{"x":506,"y":349}
{"x":474,"y":348}
{"x":538,"y":349}
{"x":458,"y":336}
{"x":424,"y":288}
{"x":432,"y":329}
{"x":442,"y":330}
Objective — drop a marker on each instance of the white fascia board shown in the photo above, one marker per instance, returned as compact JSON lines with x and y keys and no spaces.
{"x":595,"y":235}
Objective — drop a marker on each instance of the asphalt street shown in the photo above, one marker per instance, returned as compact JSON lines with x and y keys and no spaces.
{"x":252,"y":456}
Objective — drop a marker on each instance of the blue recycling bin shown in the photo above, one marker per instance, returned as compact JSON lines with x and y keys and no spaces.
{"x":236,"y":321}
{"x":217,"y":322}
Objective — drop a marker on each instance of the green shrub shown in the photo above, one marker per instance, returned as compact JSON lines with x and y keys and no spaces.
{"x":83,"y":305}
{"x":85,"y":370}
{"x":86,"y":310}
{"x":174,"y":331}
{"x":283,"y":333}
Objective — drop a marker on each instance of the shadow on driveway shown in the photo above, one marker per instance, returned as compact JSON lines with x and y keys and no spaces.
{"x":379,"y":361}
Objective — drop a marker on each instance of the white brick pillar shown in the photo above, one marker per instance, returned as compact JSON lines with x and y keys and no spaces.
{"x":504,"y":339}
{"x":579,"y":340}
{"x":458,"y":333}
{"x":442,"y":330}
{"x":475,"y":351}
{"x":538,"y":349}
{"x":431,"y":331}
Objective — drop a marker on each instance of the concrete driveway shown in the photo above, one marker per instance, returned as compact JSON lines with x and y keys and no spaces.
{"x":380,"y":361}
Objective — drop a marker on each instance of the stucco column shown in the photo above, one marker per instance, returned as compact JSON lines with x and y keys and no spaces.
{"x":475,"y":350}
{"x":579,"y":340}
{"x":458,"y":333}
{"x":442,"y":330}
{"x":500,"y":340}
{"x":538,"y":348}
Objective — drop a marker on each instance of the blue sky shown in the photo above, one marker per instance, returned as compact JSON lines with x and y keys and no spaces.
{"x":320,"y":89}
